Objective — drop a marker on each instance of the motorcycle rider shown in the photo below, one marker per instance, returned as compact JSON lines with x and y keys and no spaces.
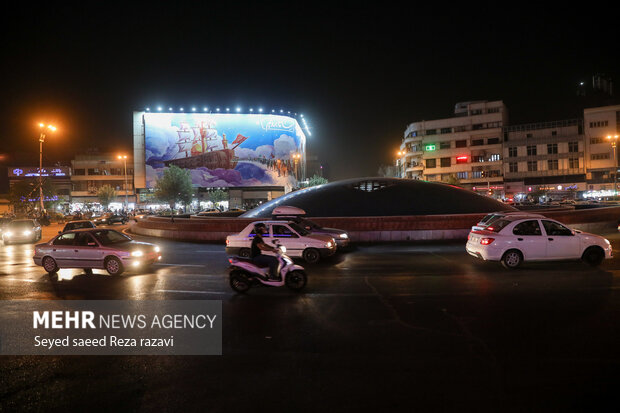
{"x":259,"y":245}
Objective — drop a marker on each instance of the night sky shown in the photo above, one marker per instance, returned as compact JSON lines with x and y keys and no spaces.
{"x":359,"y":74}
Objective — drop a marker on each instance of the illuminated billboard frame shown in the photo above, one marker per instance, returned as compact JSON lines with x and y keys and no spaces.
{"x":220,"y":149}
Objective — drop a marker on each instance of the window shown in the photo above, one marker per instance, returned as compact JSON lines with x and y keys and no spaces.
{"x":556,"y":229}
{"x":599,"y":156}
{"x":492,"y":141}
{"x":431,"y":163}
{"x":513,"y":167}
{"x":79,"y":171}
{"x":552,"y":148}
{"x":512,"y":152}
{"x":477,"y":158}
{"x":532,"y":166}
{"x":445,"y":162}
{"x":65,"y":239}
{"x":497,"y":225}
{"x":529,"y":135}
{"x":594,"y":141}
{"x":476,"y":112}
{"x":282,"y":231}
{"x":84,"y":239}
{"x":446,"y":130}
{"x":531,"y":150}
{"x":476,"y":174}
{"x":599,"y":124}
{"x":552,"y":164}
{"x":573,"y":163}
{"x":431,"y":131}
{"x":554,"y":133}
{"x":493,"y":110}
{"x":527,"y":228}
{"x":477,"y":142}
{"x":444,"y":145}
{"x":573,"y":146}
{"x":494,"y":157}
{"x":461,"y":175}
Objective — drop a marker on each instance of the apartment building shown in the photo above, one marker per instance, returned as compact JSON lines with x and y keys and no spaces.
{"x":602,"y":127}
{"x":547,"y":156}
{"x":466,"y":148}
{"x":94,"y":170}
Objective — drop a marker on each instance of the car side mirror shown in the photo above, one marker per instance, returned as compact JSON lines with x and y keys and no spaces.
{"x":572,"y":232}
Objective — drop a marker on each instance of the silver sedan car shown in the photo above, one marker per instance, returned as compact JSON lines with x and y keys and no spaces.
{"x":95,"y":248}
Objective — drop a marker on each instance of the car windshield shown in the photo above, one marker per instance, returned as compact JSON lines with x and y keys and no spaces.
{"x":110,"y":237}
{"x":299,"y":229}
{"x":21,"y":225}
{"x":498,"y":225}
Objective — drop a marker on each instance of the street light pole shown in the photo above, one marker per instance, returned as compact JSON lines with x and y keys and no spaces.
{"x":124,"y":158}
{"x":614,"y":143}
{"x":41,"y":140}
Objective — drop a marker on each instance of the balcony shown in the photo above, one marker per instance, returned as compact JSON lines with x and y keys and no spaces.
{"x":543,"y":173}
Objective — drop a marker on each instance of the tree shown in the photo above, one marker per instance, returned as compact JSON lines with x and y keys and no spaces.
{"x":174,"y":186}
{"x":316,"y":180}
{"x":389,"y":171}
{"x":452,"y":180}
{"x":106,"y":194}
{"x":218,"y":196}
{"x":24,"y":195}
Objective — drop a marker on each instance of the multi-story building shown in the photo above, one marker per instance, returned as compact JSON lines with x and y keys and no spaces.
{"x":547,"y":156}
{"x":602,"y":127}
{"x":466,"y":148}
{"x":94,"y":170}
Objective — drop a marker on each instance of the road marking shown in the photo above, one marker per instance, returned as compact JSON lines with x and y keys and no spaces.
{"x":181,"y":265}
{"x":195,"y":292}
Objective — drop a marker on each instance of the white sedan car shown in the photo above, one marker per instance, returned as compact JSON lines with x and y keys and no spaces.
{"x":514,"y":239}
{"x":95,"y":248}
{"x":298,"y":241}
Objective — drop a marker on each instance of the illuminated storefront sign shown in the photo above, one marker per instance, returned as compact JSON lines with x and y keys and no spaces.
{"x":55,"y":172}
{"x":429,"y":147}
{"x":225,"y":150}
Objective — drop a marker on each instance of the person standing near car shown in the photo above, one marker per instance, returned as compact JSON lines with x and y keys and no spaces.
{"x":258,"y":246}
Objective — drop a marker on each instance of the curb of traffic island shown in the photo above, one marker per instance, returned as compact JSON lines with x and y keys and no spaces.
{"x":369,"y":229}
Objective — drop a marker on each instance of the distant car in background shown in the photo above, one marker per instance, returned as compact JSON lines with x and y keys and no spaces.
{"x":109,"y":219}
{"x":293,"y":214}
{"x":77,"y":225}
{"x":21,"y":230}
{"x":208,"y":212}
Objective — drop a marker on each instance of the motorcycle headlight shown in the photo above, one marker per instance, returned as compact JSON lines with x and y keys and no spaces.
{"x":283,"y":249}
{"x":137,"y":254}
{"x":344,"y":236}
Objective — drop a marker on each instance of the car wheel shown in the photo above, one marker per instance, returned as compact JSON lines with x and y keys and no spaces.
{"x":311,"y":255}
{"x":593,"y":256}
{"x":49,"y":265}
{"x":512,"y":259}
{"x":114,"y":266}
{"x":239,"y":282}
{"x":244,"y":253}
{"x":296,"y":280}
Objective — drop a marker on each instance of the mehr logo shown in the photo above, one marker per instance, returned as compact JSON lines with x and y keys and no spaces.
{"x":17,"y":171}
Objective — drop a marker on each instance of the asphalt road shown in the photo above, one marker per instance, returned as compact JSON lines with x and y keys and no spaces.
{"x":389,"y":327}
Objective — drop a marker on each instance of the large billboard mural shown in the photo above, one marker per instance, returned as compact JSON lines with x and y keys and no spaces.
{"x":224,"y":150}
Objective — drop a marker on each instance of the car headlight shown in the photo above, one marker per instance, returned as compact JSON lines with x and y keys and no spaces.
{"x":27,"y":232}
{"x":157,"y":249}
{"x":607,"y":241}
{"x":344,"y":236}
{"x":137,"y":254}
{"x":329,"y":244}
{"x":8,"y":234}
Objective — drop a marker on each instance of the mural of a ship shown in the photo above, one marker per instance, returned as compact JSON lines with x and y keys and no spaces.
{"x":197,"y":146}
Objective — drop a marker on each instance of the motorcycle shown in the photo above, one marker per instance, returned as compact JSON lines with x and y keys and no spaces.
{"x":244,"y":273}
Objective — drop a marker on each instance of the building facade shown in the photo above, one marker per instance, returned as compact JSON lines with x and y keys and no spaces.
{"x":477,"y":149}
{"x":464,"y":149}
{"x":547,"y":156}
{"x":92,"y":171}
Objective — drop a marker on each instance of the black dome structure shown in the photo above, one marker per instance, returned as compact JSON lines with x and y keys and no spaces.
{"x":368,"y":197}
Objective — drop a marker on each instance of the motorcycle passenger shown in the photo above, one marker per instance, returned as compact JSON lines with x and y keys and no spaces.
{"x":259,"y":245}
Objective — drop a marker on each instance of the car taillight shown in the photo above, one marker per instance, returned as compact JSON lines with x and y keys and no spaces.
{"x":468,"y":237}
{"x":227,"y":241}
{"x":486,"y":241}
{"x":490,"y":229}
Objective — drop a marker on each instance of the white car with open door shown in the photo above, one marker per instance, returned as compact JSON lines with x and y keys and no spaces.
{"x":298,"y":241}
{"x":514,"y":239}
